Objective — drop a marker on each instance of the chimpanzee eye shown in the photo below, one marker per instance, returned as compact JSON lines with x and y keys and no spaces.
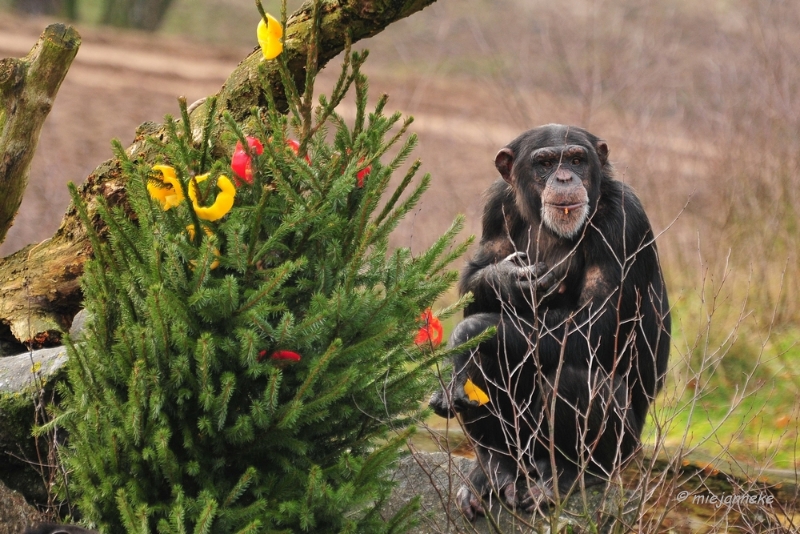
{"x":547,"y":164}
{"x":576,"y":161}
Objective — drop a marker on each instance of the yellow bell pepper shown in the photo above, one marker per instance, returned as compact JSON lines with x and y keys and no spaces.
{"x":475,"y":393}
{"x":170,"y":195}
{"x":269,"y":35}
{"x":221,"y":206}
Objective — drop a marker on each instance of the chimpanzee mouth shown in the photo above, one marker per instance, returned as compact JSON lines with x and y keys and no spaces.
{"x":566,"y":208}
{"x":566,"y":220}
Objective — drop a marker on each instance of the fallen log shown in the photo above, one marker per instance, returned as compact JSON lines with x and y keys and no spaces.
{"x":28,"y":87}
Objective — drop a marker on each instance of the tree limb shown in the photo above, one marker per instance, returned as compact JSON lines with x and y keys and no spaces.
{"x":28,"y":87}
{"x":40,"y":283}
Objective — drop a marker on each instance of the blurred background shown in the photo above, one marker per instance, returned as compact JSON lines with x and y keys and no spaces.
{"x":699,"y":103}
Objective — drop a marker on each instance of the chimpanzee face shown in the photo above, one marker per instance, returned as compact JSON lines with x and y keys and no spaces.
{"x":561,"y":177}
{"x":555,"y":172}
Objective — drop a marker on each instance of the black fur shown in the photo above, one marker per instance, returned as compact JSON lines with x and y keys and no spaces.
{"x":583,"y":326}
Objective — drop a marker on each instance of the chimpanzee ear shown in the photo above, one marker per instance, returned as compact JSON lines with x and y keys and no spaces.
{"x":504,"y":160}
{"x":602,"y":152}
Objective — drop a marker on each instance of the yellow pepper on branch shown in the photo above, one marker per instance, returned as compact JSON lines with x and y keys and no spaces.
{"x":269,"y":33}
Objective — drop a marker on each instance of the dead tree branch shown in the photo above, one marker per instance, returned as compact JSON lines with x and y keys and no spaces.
{"x":28,"y":87}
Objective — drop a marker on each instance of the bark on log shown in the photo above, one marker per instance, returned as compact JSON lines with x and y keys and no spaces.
{"x":27,"y":88}
{"x":39,"y":285}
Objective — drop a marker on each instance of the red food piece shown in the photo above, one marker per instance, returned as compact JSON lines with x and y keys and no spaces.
{"x":241,"y":163}
{"x":431,"y":331}
{"x":280,"y":355}
{"x":363,"y":173}
{"x":295,"y":146}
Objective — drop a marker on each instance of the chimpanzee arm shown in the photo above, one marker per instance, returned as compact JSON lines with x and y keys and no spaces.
{"x":480,"y":277}
{"x":500,"y":273}
{"x":453,"y":398}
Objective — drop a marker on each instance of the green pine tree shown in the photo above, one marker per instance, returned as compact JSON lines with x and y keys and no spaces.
{"x":187,"y":407}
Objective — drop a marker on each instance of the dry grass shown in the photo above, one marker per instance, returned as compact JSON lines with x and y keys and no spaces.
{"x":699,"y":103}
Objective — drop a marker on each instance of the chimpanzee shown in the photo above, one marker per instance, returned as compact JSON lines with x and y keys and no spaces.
{"x":568,"y":273}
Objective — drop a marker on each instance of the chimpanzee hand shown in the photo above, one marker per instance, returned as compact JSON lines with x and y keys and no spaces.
{"x":449,"y":401}
{"x":518,"y":281}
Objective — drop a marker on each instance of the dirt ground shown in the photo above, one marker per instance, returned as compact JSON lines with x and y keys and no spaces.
{"x":121,"y":79}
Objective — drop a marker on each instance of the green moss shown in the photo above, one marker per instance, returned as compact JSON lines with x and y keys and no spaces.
{"x":16,"y":414}
{"x":16,"y":422}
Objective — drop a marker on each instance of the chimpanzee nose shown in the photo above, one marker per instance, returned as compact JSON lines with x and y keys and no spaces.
{"x":563,"y":175}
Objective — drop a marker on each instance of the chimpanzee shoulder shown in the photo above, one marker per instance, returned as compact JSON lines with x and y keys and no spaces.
{"x":500,"y":213}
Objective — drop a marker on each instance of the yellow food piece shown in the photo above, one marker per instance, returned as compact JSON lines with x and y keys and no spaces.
{"x":169,"y":197}
{"x":221,"y":206}
{"x":269,"y":37}
{"x":475,"y":393}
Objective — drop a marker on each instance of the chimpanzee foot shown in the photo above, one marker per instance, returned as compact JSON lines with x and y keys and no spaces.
{"x":469,"y":503}
{"x":472,"y":505}
{"x":538,"y":496}
{"x":509,"y":493}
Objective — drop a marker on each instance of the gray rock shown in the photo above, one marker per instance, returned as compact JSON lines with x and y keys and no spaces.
{"x":23,"y":372}
{"x":22,"y":377}
{"x":15,"y":513}
{"x":78,"y":325}
{"x":436,"y":477}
